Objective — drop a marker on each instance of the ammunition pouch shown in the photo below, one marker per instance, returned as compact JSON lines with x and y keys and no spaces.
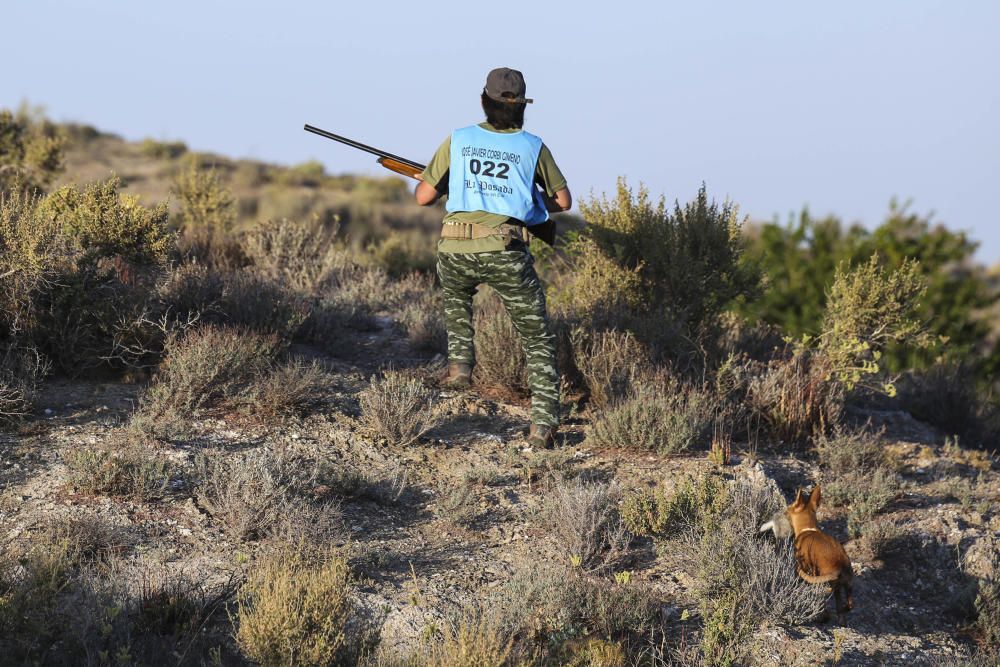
{"x":468,"y":231}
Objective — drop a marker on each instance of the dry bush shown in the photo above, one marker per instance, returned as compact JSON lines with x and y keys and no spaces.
{"x":500,"y":362}
{"x":583,"y":519}
{"x":208,"y":366}
{"x":290,"y":388}
{"x":987,"y":603}
{"x":946,"y":396}
{"x":856,"y":474}
{"x":402,"y":254}
{"x":882,"y":538}
{"x":295,"y":611}
{"x":123,"y":465}
{"x":796,"y":397}
{"x":262,"y":305}
{"x":307,"y":257}
{"x":191,"y":289}
{"x":611,"y":362}
{"x":22,"y":368}
{"x":661,"y":414}
{"x":421,"y":313}
{"x":252,"y":496}
{"x":475,"y":642}
{"x":740,"y":581}
{"x":397,"y":407}
{"x":549,"y":606}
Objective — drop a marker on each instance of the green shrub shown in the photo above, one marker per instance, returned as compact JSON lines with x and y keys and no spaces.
{"x":30,"y":153}
{"x":205,"y":203}
{"x":162,"y":150}
{"x":869,"y":309}
{"x":662,"y":415}
{"x":692,"y":503}
{"x":681,"y":265}
{"x":801,"y":258}
{"x":398,"y":408}
{"x":292,"y":611}
{"x":84,"y":263}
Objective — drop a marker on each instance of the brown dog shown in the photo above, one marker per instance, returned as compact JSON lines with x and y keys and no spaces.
{"x":820,"y":558}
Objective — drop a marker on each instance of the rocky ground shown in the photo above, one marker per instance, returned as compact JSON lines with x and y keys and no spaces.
{"x":456,"y":513}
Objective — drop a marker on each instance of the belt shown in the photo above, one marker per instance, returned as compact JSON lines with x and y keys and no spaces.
{"x":472,"y":230}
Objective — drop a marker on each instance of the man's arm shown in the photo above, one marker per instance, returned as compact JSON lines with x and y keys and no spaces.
{"x":425,"y":193}
{"x":561,"y":201}
{"x":434,"y":181}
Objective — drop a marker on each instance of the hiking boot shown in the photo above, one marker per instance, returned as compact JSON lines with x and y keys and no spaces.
{"x":459,"y":376}
{"x":541,"y":436}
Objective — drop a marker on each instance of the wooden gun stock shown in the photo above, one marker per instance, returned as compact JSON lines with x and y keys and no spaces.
{"x":401,"y":168}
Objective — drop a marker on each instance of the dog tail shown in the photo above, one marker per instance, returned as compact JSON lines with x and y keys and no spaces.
{"x":819,"y":579}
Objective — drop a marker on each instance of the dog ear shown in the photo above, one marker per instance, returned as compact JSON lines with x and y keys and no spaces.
{"x":814,"y":498}
{"x":798,"y":502}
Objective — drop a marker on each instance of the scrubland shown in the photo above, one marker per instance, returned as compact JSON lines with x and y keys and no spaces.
{"x":223,"y":442}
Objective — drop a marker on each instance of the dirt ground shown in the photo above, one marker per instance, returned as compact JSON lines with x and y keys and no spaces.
{"x":418,"y":551}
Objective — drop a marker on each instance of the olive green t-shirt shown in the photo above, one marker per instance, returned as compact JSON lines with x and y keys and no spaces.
{"x":436,"y":174}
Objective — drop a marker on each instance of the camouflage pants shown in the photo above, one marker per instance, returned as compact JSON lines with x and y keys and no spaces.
{"x":511,"y":274}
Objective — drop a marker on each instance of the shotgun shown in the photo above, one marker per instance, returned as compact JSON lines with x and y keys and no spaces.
{"x":400,"y":165}
{"x":545,"y":231}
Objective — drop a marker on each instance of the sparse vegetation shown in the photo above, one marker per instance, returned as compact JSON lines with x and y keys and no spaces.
{"x":660,"y":414}
{"x":584,"y":520}
{"x":397,"y":407}
{"x":231,"y":420}
{"x":293,"y":611}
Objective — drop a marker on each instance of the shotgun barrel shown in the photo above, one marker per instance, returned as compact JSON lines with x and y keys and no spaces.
{"x":386,"y":160}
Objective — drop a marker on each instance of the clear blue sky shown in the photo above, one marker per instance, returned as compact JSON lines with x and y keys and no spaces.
{"x":838,"y":106}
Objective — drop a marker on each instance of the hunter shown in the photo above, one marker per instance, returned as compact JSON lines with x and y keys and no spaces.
{"x":489,"y":172}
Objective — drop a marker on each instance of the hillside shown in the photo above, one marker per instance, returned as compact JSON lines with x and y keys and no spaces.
{"x":250,"y":462}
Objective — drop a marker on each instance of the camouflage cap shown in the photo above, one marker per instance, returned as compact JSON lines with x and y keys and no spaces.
{"x":506,"y":85}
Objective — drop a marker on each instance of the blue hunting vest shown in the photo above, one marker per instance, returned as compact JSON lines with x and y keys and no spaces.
{"x":495,"y":172}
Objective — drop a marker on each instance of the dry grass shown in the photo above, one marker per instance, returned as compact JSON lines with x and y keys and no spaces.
{"x":796,"y":397}
{"x":252,"y":496}
{"x":125,"y":464}
{"x":661,"y":414}
{"x":583,"y":519}
{"x":610,"y":363}
{"x":398,"y":408}
{"x":500,"y":363}
{"x":207,"y":366}
{"x":474,"y":642}
{"x":293,"y":611}
{"x":290,"y":388}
